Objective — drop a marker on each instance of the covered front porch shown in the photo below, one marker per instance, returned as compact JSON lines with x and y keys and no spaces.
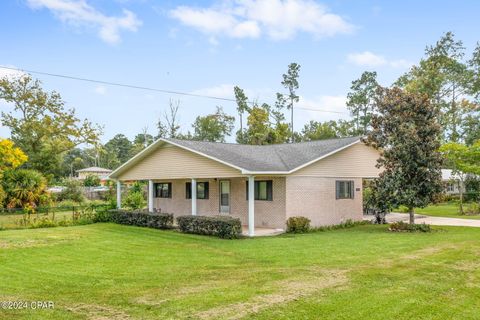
{"x":258,"y":201}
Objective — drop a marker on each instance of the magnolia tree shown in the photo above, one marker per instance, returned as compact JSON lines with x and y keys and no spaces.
{"x":406,"y":132}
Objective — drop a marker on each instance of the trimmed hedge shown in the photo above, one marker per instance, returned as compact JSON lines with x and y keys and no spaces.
{"x":143,"y":219}
{"x":221,"y":226}
{"x":298,"y":224}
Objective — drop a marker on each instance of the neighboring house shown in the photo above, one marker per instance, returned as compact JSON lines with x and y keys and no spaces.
{"x":453,"y":182}
{"x":261,"y":185}
{"x":102,"y":173}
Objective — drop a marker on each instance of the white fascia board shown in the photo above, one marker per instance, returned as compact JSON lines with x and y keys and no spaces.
{"x":246,"y":172}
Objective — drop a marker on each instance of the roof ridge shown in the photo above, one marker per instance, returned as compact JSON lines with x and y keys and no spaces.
{"x":261,"y":145}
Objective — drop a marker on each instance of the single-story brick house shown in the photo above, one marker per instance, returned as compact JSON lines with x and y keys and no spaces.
{"x":261,"y":185}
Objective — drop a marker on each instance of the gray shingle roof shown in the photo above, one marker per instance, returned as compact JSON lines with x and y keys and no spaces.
{"x":276,"y":157}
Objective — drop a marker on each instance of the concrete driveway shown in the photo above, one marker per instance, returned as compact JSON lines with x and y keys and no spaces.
{"x":436,"y":221}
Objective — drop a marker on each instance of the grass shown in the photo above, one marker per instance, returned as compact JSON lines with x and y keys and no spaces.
{"x":107,"y":271}
{"x":14,"y":221}
{"x":447,"y":210}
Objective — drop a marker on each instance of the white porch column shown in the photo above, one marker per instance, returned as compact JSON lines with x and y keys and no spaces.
{"x":251,"y":206}
{"x":119,"y":194}
{"x":150,"y":195}
{"x":194,"y":197}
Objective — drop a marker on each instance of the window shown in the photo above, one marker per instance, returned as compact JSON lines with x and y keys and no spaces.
{"x":263,"y":190}
{"x":163,"y":190}
{"x":450,"y":187}
{"x":344,"y":189}
{"x":202,"y":190}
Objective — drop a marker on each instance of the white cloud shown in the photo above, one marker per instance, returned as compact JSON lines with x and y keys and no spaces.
{"x":80,"y":14}
{"x":101,"y":90}
{"x":277,"y":19}
{"x":369,"y":59}
{"x":321,"y":108}
{"x":366,"y":59}
{"x":327,"y":104}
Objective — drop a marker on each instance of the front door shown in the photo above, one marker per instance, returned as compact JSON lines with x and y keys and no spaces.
{"x":224,"y":196}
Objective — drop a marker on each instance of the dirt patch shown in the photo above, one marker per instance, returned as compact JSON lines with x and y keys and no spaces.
{"x":415,"y":255}
{"x":23,"y":244}
{"x":98,"y":312}
{"x":157,"y":296}
{"x":429,"y":251}
{"x":47,"y":240}
{"x":467,"y":266}
{"x":211,"y":281}
{"x":288,"y":290}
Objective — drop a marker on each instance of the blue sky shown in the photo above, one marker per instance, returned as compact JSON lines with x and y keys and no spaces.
{"x":206,"y":47}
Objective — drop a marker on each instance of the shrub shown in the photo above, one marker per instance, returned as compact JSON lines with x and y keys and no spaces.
{"x":402,"y":209}
{"x":91,"y":181}
{"x":142,"y":219}
{"x":103,"y":215}
{"x":472,"y":209}
{"x":298,"y":225}
{"x":73,"y":191}
{"x":23,"y":187}
{"x":134,"y":200}
{"x":43,"y":222}
{"x":224,"y":227}
{"x":349,"y":223}
{"x":401,"y":226}
{"x":472,"y":196}
{"x":3,"y":195}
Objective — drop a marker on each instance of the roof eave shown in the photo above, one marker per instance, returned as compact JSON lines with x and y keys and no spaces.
{"x":138,"y":156}
{"x":248,"y":172}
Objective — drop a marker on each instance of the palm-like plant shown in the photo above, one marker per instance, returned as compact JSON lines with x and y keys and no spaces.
{"x":23,"y":187}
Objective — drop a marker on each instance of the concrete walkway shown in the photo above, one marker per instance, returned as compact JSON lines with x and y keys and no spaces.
{"x":262,"y":232}
{"x":436,"y":221}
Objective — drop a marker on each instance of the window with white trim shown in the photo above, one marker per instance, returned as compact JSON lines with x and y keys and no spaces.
{"x":163,"y":190}
{"x":202,"y":190}
{"x":344,"y":189}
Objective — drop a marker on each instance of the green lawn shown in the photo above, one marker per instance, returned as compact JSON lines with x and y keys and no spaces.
{"x":448,"y":210}
{"x":107,"y":271}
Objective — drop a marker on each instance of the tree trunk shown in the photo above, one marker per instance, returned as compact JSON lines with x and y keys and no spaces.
{"x":241,"y":129}
{"x":460,"y":190}
{"x":291,"y":119}
{"x":412,"y":215}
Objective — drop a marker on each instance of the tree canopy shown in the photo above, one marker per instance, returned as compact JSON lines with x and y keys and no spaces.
{"x":11,"y":157}
{"x":406,"y":131}
{"x":41,"y":125}
{"x":360,"y":100}
{"x":213,"y":127}
{"x":452,"y":85}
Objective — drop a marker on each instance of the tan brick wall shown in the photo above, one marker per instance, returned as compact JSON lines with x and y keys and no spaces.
{"x":314,"y":198}
{"x":268,"y":214}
